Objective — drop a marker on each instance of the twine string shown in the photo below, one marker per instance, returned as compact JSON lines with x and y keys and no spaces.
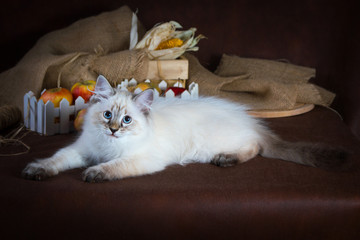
{"x":10,"y":138}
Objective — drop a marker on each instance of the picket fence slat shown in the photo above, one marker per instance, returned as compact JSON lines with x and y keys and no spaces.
{"x":48,"y":120}
{"x":40,"y":117}
{"x":185,"y":95}
{"x":27,"y":97}
{"x":49,"y":113}
{"x":163,"y":85}
{"x":169,"y":94}
{"x":33,"y":108}
{"x":64,"y":114}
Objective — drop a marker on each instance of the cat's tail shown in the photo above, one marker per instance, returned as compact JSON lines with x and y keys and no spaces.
{"x":310,"y":154}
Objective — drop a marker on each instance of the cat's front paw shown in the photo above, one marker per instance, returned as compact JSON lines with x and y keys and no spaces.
{"x":94,"y":174}
{"x":35,"y":171}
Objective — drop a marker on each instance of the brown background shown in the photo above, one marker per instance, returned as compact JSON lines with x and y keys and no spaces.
{"x":320,"y":34}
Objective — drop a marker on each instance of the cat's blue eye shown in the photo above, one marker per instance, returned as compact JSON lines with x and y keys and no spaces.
{"x":107,"y":114}
{"x":127,"y":120}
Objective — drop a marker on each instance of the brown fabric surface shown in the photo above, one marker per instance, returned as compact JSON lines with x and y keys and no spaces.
{"x":280,"y":71}
{"x":120,"y":65}
{"x":270,"y":84}
{"x":77,"y":52}
{"x":260,"y":84}
{"x":114,"y":66}
{"x":261,"y":199}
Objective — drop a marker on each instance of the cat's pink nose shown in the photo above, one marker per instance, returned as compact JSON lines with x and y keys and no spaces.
{"x":113,"y":130}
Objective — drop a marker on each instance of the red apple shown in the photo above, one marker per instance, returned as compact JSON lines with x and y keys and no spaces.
{"x":83,"y":89}
{"x":55,"y":95}
{"x":79,"y":120}
{"x":177,"y":90}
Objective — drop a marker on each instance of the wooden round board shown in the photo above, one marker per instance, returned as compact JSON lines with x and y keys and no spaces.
{"x":299,"y":109}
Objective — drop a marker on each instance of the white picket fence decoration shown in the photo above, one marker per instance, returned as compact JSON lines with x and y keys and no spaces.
{"x":192,"y":92}
{"x":49,"y":120}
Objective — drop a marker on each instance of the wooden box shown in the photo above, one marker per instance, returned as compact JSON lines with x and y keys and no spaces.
{"x":171,"y":71}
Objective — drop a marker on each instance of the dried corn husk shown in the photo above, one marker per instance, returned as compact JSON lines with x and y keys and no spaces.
{"x":171,"y":43}
{"x":163,"y":34}
{"x":133,"y":31}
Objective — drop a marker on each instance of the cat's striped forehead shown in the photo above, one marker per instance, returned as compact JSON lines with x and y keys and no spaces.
{"x":120,"y":101}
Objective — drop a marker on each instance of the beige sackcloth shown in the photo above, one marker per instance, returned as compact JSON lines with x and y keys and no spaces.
{"x":99,"y":45}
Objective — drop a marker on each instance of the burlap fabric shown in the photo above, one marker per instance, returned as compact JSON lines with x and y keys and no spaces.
{"x":87,"y":48}
{"x":260,"y":84}
{"x":98,"y":45}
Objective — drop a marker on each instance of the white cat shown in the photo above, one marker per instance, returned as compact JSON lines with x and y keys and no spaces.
{"x":127,"y":135}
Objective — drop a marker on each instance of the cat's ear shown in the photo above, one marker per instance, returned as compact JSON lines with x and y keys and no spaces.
{"x":103,"y":88}
{"x":144,"y":100}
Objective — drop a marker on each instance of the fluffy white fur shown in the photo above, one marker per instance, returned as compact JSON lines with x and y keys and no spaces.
{"x":162,"y":132}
